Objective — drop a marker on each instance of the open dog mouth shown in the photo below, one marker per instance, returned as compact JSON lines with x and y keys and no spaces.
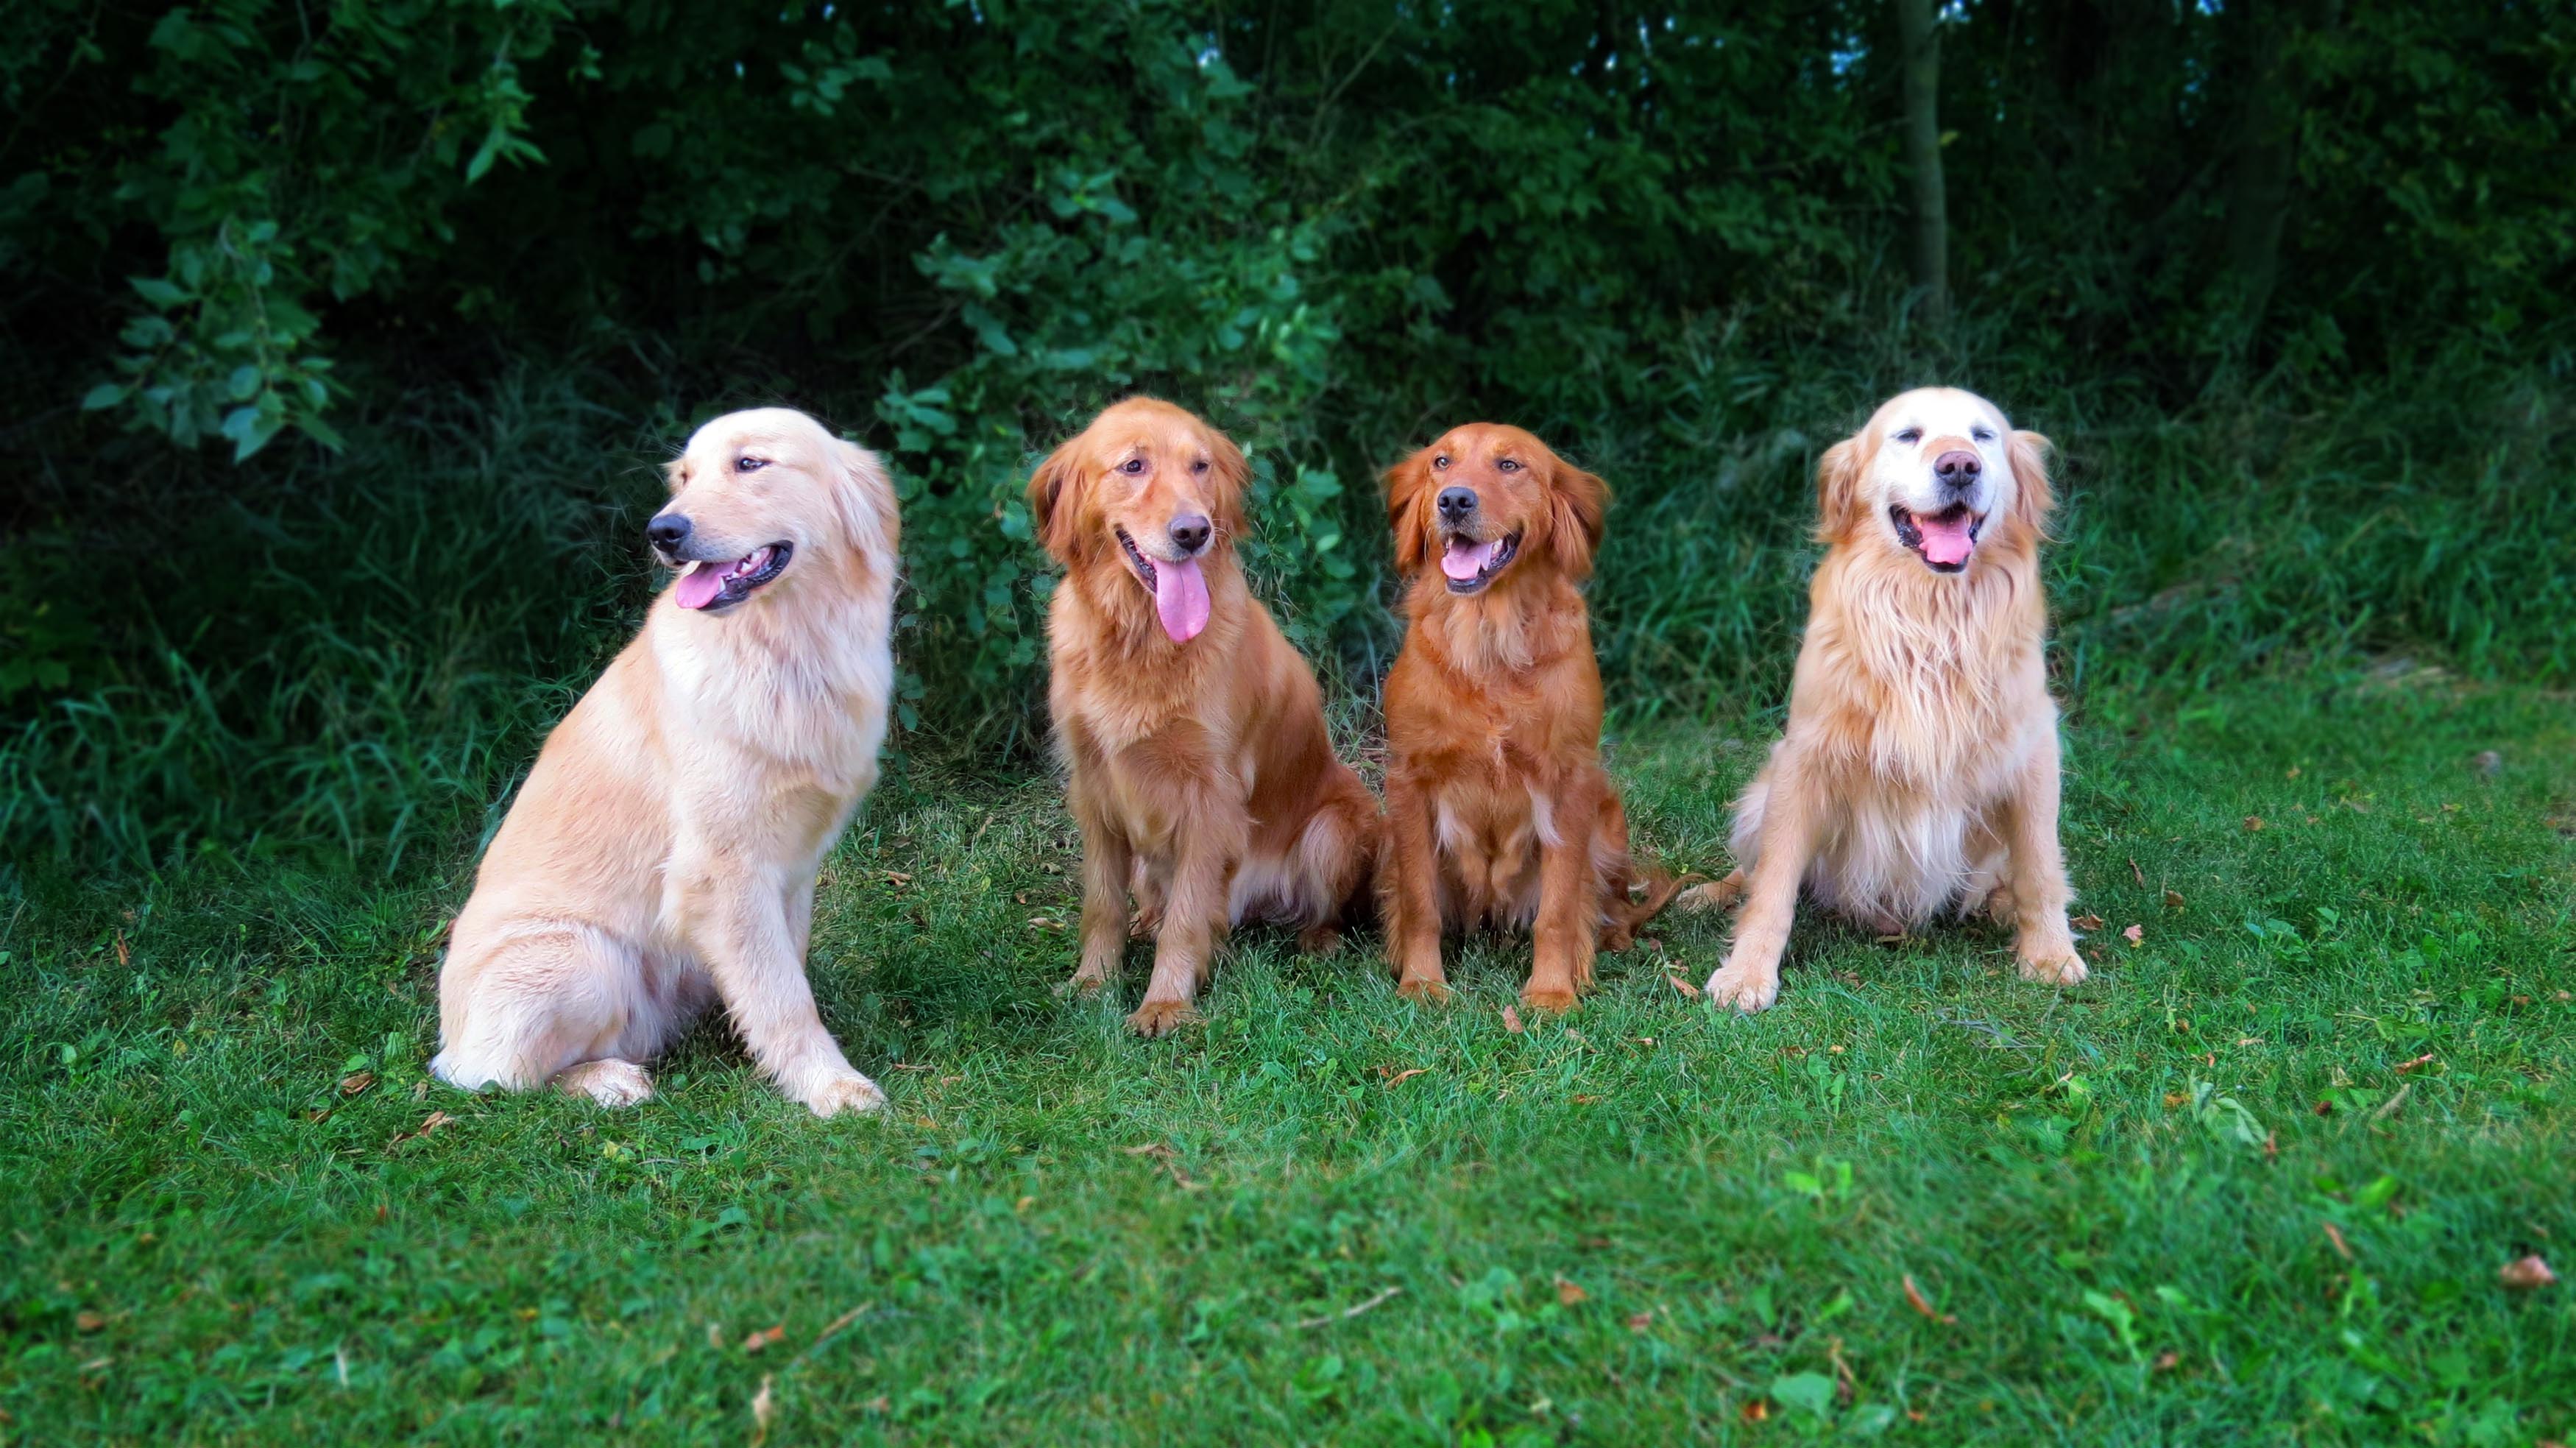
{"x":1944,"y":539}
{"x":715,"y":586}
{"x":1179,"y":589}
{"x":1471,"y":565}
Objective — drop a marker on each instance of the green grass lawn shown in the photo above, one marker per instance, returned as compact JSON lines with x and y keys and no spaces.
{"x":2253,"y":1183}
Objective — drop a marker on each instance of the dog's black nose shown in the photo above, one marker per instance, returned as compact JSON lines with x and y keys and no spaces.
{"x":1457,"y":502}
{"x":667,"y":530}
{"x":1190,"y":532}
{"x":1957,"y":469}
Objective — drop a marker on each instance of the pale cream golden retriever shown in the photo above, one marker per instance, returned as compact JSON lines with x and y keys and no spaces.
{"x":662,"y":853}
{"x":1202,"y":775}
{"x":1920,"y":765}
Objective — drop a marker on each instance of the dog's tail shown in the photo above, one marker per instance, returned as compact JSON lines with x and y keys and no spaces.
{"x":1624,"y":914}
{"x":1720,"y":895}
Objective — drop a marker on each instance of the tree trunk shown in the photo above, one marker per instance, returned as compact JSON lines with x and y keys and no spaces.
{"x":1914,"y":21}
{"x":2261,"y":174}
{"x":2258,"y":178}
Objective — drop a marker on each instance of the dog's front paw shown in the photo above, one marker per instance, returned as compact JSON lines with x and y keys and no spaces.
{"x":1743,"y":989}
{"x":852,"y":1093}
{"x":1552,"y":1002}
{"x":1430,"y":990}
{"x":610,"y":1082}
{"x":1161,"y":1018}
{"x":2053,"y":965}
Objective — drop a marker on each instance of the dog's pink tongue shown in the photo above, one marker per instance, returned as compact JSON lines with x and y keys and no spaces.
{"x":1465,"y":560}
{"x":1946,"y":541}
{"x":1180,"y":598}
{"x":699,"y":586}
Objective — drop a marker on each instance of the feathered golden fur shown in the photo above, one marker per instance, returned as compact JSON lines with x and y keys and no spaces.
{"x":1498,"y":809}
{"x":1919,"y":769}
{"x":662,"y":853}
{"x":1201,"y":772}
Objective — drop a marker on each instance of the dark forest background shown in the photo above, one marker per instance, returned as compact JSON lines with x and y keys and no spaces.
{"x":340,"y":339}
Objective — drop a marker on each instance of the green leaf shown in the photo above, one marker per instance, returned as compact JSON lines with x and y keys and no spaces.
{"x":1811,"y":1393}
{"x":244,"y":384}
{"x":158,"y":291}
{"x":106,"y":394}
{"x":250,"y":428}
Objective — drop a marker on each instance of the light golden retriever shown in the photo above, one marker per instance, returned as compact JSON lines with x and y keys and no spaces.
{"x":663,"y":850}
{"x":1498,"y":809}
{"x":1202,"y":776}
{"x":1920,"y":765}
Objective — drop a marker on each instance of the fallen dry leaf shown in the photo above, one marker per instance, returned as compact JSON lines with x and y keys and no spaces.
{"x":1685,"y":987}
{"x":1511,"y":1020}
{"x":1400,"y":1077}
{"x":764,"y":1337}
{"x":356,"y":1081}
{"x":878,"y":1404}
{"x":1587,"y":1100}
{"x":123,"y":955}
{"x":92,"y":1321}
{"x":1914,"y":1295}
{"x":1757,"y":1410}
{"x":2417,"y":1064}
{"x":2334,"y":1234}
{"x":2134,"y":934}
{"x":2175,"y":1098}
{"x":2173,"y":899}
{"x":1041,"y":922}
{"x":1569,"y":1294}
{"x":2325,"y":1108}
{"x":2086,"y":921}
{"x":2253,"y":823}
{"x":763,"y":1408}
{"x":2526,"y":1274}
{"x":2168,"y":1360}
{"x":897,"y":878}
{"x":1640,"y":1321}
{"x":2137,"y":874}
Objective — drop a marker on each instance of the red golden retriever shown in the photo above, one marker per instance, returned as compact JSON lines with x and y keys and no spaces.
{"x":1202,"y":776}
{"x":1498,"y":809}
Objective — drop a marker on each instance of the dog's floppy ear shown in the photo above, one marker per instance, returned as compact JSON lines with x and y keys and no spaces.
{"x":675,"y":474}
{"x":1576,"y":504}
{"x":1408,"y":510}
{"x":866,"y":494}
{"x":2033,"y":500}
{"x":1838,"y":490}
{"x":1233,"y":475}
{"x":1053,"y":498}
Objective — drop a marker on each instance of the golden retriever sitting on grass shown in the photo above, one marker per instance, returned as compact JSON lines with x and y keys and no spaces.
{"x":663,"y":850}
{"x":1202,"y":776}
{"x":1920,"y":765}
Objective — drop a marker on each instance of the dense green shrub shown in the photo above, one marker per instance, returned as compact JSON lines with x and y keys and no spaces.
{"x":2289,"y":286}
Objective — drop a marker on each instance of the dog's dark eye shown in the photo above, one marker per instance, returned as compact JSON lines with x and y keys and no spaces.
{"x":1200,"y":466}
{"x":1133,"y":467}
{"x":1981,"y":434}
{"x":1910,"y":435}
{"x":1508,"y":465}
{"x":749,"y":465}
{"x":1441,"y":461}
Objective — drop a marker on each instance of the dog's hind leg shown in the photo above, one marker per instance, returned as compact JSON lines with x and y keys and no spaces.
{"x":571,"y":1005}
{"x":1336,"y":867}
